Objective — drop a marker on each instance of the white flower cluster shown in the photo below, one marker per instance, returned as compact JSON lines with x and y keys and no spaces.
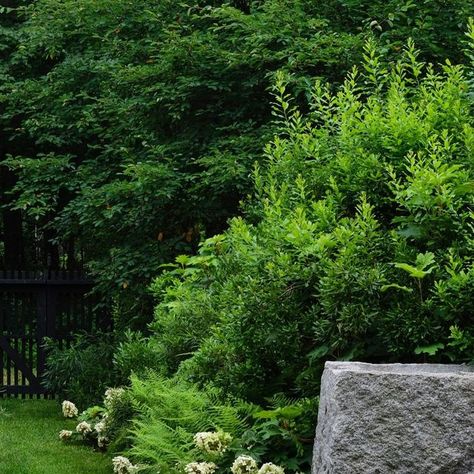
{"x":102,"y":441}
{"x":100,"y":427}
{"x":111,"y":394}
{"x":122,"y":465}
{"x":244,"y":465}
{"x":212,"y":443}
{"x":84,"y":428}
{"x":270,"y":468}
{"x":200,"y":468}
{"x":65,"y":435}
{"x":69,"y":409}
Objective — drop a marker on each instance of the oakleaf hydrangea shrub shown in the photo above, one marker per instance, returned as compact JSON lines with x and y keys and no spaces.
{"x":212,"y":443}
{"x":177,"y":427}
{"x":90,"y":425}
{"x":122,"y":465}
{"x":101,"y":426}
{"x":270,"y":468}
{"x":200,"y":468}
{"x":180,"y":428}
{"x":172,"y":426}
{"x":244,"y":465}
{"x":357,"y":244}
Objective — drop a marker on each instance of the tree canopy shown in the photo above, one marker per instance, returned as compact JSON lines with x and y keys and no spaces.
{"x":129,"y":129}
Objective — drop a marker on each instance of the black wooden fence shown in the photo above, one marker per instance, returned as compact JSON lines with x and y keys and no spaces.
{"x":35,"y":305}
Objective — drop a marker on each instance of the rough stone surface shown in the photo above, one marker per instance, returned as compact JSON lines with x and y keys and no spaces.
{"x":395,"y":418}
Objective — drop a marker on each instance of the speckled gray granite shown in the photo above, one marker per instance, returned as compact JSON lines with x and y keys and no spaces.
{"x":395,"y":418}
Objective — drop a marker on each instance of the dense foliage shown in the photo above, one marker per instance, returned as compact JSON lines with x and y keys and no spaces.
{"x":139,"y":129}
{"x":133,"y":131}
{"x":75,"y":371}
{"x":357,"y":245}
{"x":156,"y":421}
{"x":130,"y":128}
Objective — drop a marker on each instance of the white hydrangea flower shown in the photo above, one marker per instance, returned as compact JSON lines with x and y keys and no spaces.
{"x":213,"y":443}
{"x":122,"y":465}
{"x":111,"y":394}
{"x":270,"y":468}
{"x":244,"y":465}
{"x":200,"y":468}
{"x":102,"y":441}
{"x":100,"y":427}
{"x":65,"y":435}
{"x":84,"y":428}
{"x":69,"y":409}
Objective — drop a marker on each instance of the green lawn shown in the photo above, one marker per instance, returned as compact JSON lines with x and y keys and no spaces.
{"x":29,"y":441}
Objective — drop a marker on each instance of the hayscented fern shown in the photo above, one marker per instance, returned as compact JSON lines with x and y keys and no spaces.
{"x":270,"y":468}
{"x":122,"y":465}
{"x":244,"y":465}
{"x":69,"y":409}
{"x":200,"y":468}
{"x":212,"y":443}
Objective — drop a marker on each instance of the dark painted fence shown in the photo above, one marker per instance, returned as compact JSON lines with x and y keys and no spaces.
{"x":35,"y":305}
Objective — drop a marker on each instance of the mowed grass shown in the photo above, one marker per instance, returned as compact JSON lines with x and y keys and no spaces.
{"x":29,"y":442}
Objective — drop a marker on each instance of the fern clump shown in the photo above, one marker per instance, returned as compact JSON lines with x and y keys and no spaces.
{"x":181,"y":428}
{"x":172,"y":414}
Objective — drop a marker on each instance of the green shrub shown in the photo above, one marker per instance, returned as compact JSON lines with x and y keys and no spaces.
{"x":105,"y":426}
{"x":124,"y":146}
{"x":119,"y":409}
{"x":73,"y":371}
{"x":358,"y":243}
{"x":283,"y":433}
{"x":134,"y":354}
{"x":82,"y":371}
{"x":131,"y":127}
{"x":437,"y":25}
{"x":188,"y":310}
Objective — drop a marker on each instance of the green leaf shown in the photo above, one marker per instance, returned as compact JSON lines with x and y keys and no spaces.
{"x":430,"y":350}
{"x":411,"y":270}
{"x":397,"y":287}
{"x":318,"y":353}
{"x":182,"y":259}
{"x":411,"y":231}
{"x":288,"y":413}
{"x":423,"y":261}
